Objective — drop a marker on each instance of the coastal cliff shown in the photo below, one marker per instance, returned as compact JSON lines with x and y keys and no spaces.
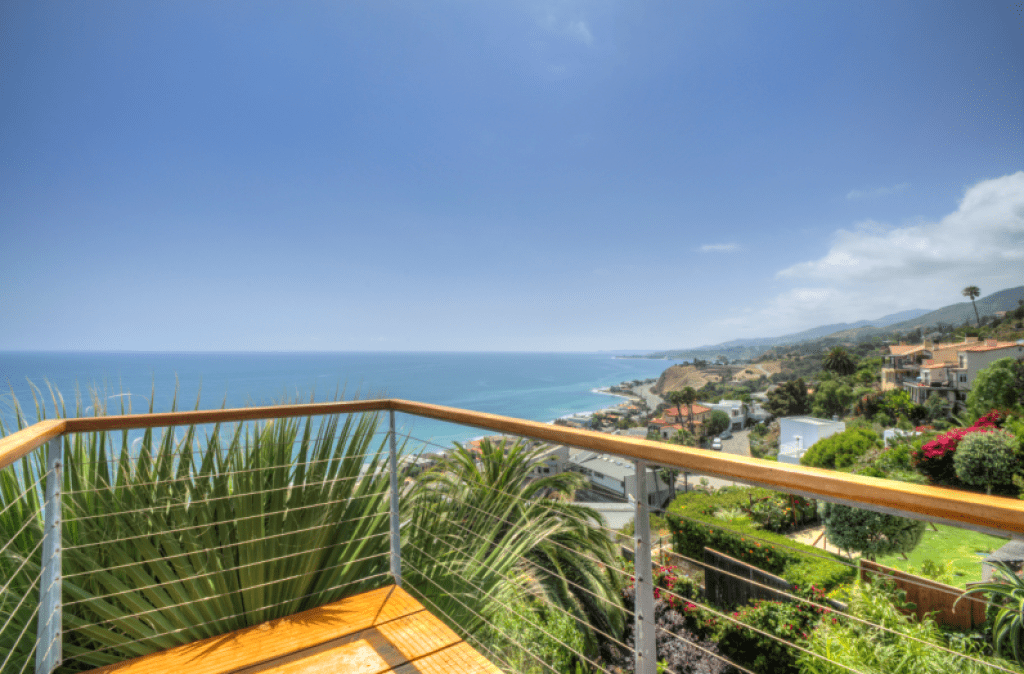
{"x":677,"y":377}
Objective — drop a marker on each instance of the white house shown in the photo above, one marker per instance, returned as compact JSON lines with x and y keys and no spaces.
{"x":736,"y":410}
{"x":797,"y":434}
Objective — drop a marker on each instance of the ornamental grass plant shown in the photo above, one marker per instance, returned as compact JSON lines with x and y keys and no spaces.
{"x":187,"y":533}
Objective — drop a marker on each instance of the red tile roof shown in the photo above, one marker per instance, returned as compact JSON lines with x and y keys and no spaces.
{"x":990,"y":345}
{"x":697,"y":409}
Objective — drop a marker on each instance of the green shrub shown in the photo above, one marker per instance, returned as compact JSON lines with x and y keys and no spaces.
{"x":868,"y":532}
{"x":694,"y":527}
{"x":841,"y":450}
{"x":782,"y":513}
{"x":532,"y":640}
{"x":839,"y":646}
{"x":987,"y":459}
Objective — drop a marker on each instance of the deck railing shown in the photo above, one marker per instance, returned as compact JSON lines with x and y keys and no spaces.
{"x":72,"y":595}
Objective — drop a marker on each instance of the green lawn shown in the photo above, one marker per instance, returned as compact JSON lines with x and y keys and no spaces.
{"x":960,"y":546}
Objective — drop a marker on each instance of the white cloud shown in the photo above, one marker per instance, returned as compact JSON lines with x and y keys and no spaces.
{"x":581,"y":31}
{"x":873,"y":269}
{"x":877,"y":192}
{"x":718,"y":247}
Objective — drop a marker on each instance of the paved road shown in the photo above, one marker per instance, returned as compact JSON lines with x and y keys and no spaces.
{"x":738,"y":444}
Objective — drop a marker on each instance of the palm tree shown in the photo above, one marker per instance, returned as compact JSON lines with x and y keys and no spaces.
{"x":688,"y":396}
{"x":478,"y":531}
{"x":972,"y":292}
{"x":839,"y":361}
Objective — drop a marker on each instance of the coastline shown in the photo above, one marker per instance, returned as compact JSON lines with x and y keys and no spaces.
{"x":629,"y":398}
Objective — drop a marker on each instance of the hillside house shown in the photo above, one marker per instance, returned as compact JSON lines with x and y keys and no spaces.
{"x":948,"y":369}
{"x":616,"y":477}
{"x":737,"y":411}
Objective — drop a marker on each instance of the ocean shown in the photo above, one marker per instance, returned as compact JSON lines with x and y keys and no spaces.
{"x":535,"y":386}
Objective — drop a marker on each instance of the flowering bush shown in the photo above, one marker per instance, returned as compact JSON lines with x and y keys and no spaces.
{"x":935,"y":459}
{"x":679,"y":587}
{"x":993,"y":419}
{"x":680,"y":649}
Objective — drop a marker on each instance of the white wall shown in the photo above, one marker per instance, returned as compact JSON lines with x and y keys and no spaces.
{"x":808,"y":432}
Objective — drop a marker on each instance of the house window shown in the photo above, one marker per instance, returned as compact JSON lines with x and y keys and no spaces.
{"x":963,"y":378}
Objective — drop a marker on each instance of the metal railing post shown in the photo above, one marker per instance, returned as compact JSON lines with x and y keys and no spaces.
{"x":48,"y":632}
{"x":646,"y":653}
{"x":396,"y":542}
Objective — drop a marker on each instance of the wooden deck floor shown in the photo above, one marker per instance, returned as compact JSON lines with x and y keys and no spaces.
{"x":381,"y":631}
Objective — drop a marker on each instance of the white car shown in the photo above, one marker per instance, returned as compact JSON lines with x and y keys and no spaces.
{"x":716,"y":444}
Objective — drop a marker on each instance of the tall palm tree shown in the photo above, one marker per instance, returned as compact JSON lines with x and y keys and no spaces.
{"x":477,"y":531}
{"x":972,"y":292}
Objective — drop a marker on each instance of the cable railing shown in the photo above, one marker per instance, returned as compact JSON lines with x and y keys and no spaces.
{"x":119,"y":550}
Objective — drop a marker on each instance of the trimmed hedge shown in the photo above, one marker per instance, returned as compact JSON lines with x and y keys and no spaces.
{"x":694,"y":527}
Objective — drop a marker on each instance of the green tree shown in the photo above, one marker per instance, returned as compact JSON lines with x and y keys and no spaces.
{"x":717,"y":422}
{"x":841,"y":450}
{"x":838,"y":360}
{"x":789,"y":399}
{"x":973,"y":292}
{"x":868,"y":532}
{"x":896,"y":403}
{"x":987,"y":459}
{"x":996,"y":387}
{"x":832,"y":397}
{"x":937,"y":406}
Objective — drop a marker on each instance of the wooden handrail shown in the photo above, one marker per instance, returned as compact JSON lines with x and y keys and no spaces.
{"x":17,"y":445}
{"x":975,"y":511}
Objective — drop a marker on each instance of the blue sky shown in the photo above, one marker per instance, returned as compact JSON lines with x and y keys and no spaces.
{"x":499,"y":175}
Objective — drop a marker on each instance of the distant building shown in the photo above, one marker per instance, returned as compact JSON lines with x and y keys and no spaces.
{"x":736,"y":409}
{"x":948,"y":370}
{"x":616,"y":477}
{"x":798,"y":434}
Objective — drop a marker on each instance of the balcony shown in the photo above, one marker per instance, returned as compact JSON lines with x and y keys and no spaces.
{"x":278,"y":539}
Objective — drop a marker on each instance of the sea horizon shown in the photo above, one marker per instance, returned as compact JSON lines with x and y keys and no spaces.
{"x":539,"y":386}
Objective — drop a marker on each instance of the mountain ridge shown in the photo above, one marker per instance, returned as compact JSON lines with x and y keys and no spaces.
{"x":902,"y":321}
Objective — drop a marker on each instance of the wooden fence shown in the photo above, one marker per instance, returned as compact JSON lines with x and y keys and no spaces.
{"x":932,"y":597}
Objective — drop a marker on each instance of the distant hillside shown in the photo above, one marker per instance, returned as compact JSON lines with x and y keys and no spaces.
{"x":954,"y":314}
{"x":901,"y":322}
{"x":743,"y":349}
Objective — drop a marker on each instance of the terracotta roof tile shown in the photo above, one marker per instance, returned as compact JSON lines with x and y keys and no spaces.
{"x":697,"y":409}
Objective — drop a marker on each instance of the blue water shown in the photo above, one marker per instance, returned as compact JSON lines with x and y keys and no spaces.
{"x":536,"y":386}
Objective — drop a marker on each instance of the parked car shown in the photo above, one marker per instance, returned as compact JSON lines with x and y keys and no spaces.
{"x":726,"y":434}
{"x":716,"y":444}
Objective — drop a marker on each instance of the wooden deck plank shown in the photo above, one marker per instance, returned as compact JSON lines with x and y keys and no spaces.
{"x":460,"y":658}
{"x":360,"y":656}
{"x":377,"y":649}
{"x":418,"y":635}
{"x":276,"y":638}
